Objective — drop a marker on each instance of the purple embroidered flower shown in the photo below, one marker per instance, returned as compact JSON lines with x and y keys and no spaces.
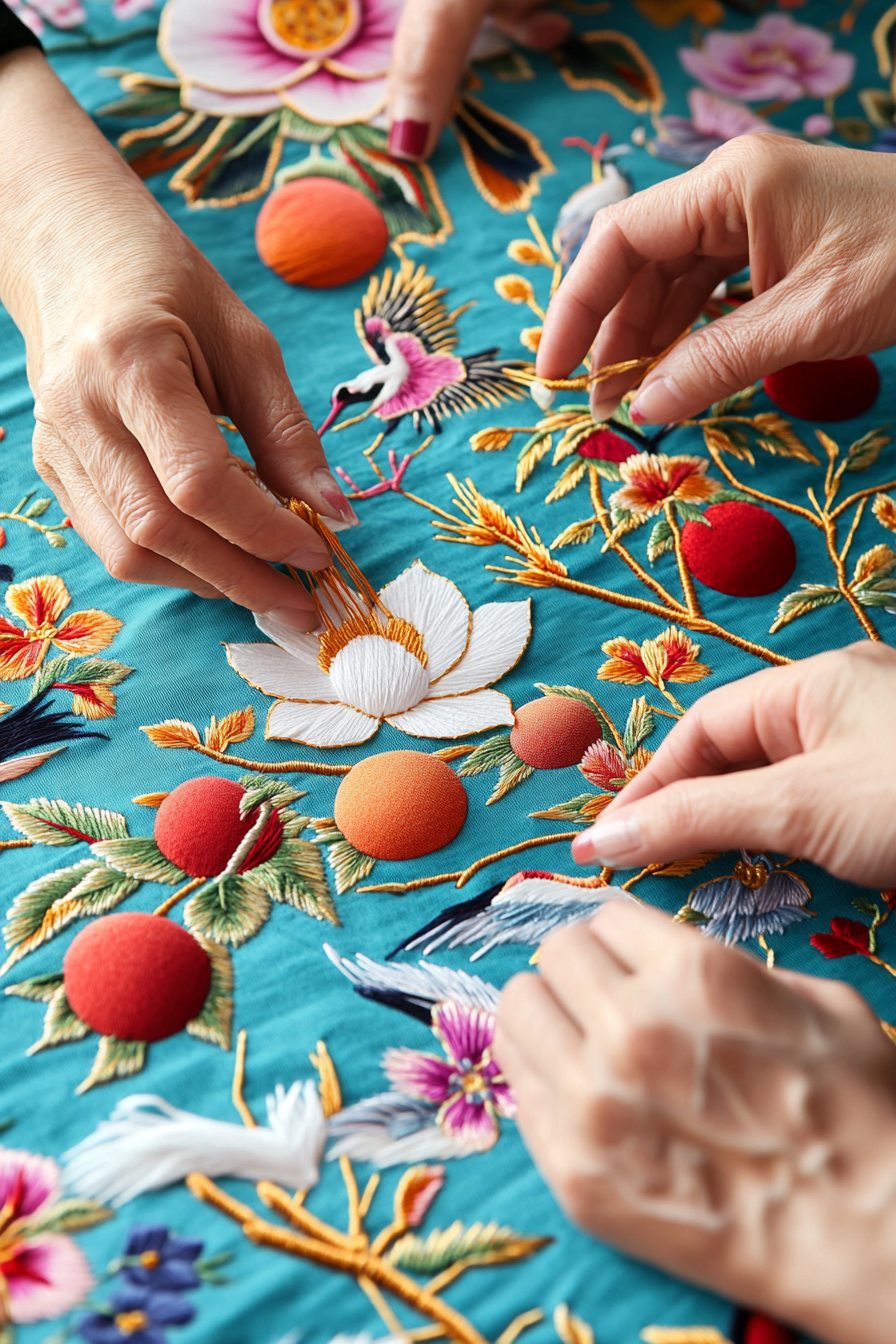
{"x":467,"y":1086}
{"x":757,"y":898}
{"x":712,"y":123}
{"x":778,"y":59}
{"x":153,"y":1258}
{"x":136,"y":1316}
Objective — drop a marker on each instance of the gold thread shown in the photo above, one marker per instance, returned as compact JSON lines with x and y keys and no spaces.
{"x":239,"y":1078}
{"x":177,"y":896}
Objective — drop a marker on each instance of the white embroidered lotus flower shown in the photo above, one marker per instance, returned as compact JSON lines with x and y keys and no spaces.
{"x":414,"y":655}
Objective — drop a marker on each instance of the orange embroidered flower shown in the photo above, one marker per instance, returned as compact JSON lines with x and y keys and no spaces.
{"x":672,"y":656}
{"x":652,"y":478}
{"x":39,"y":603}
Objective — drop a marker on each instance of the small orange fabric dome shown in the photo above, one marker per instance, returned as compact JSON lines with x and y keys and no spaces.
{"x":556,"y":731}
{"x":400,"y":805}
{"x":320,"y":233}
{"x":136,"y":976}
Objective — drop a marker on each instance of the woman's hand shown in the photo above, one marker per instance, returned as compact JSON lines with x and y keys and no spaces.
{"x":732,"y":1125}
{"x":796,"y":759}
{"x":135,"y":343}
{"x":432,"y":47}
{"x":813,"y":224}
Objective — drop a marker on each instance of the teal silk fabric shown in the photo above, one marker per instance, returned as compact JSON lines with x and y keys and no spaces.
{"x":287,"y":994}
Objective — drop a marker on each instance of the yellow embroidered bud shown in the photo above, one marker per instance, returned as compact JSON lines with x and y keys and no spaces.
{"x":514,"y":289}
{"x":525,"y":253}
{"x":530,"y":337}
{"x":491,"y":440}
{"x":884,"y":510}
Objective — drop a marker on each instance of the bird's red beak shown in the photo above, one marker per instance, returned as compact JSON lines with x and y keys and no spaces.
{"x":335,"y":408}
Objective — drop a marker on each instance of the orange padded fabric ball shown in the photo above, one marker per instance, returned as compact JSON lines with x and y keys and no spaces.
{"x":136,"y":976}
{"x":400,"y":805}
{"x":550,"y":733}
{"x":320,"y":233}
{"x":199,"y":826}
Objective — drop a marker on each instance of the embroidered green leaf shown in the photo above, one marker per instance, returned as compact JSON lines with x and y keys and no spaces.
{"x":577,"y":534}
{"x":735,"y":404}
{"x":227,"y":910}
{"x":140,"y":857}
{"x":531,"y":453}
{"x":105,"y":671}
{"x":39,"y":988}
{"x":879,"y":107}
{"x":660,"y":541}
{"x":489,"y":755}
{"x":808,"y":597}
{"x":622,"y":413}
{"x":114,"y":1059}
{"x":296,"y":876}
{"x":37,"y":509}
{"x":69,"y":1215}
{"x":56,"y":540}
{"x":266,"y":789}
{"x":145,"y":96}
{"x":777,"y":437}
{"x":51,"y":670}
{"x":215,"y":1021}
{"x":297,"y":127}
{"x":52,"y":902}
{"x":866,"y":450}
{"x":688,"y":915}
{"x":61,"y":1024}
{"x":723,"y":496}
{"x":576,"y":693}
{"x":690,"y":513}
{"x":585,"y":807}
{"x":876,"y":592}
{"x":641,"y":723}
{"x":612,"y":62}
{"x":56,"y":822}
{"x":567,"y":481}
{"x":511,"y":66}
{"x":483,"y":1243}
{"x":874,"y":564}
{"x":349,"y":865}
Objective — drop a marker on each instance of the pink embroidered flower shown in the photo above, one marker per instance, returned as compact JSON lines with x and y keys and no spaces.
{"x":778,"y":59}
{"x":712,"y":123}
{"x":59,"y":13}
{"x":325,"y":59}
{"x":41,"y":1274}
{"x":467,"y":1086}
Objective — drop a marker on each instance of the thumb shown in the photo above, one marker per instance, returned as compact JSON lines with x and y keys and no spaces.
{"x":769,"y":808}
{"x":766,"y":334}
{"x":431,"y":49}
{"x":284,"y":444}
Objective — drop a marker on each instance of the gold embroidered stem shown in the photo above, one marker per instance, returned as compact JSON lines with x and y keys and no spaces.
{"x":460,"y":879}
{"x":664,"y":690}
{"x":730,"y":477}
{"x":370,"y":1190}
{"x":239,"y":1078}
{"x":687,"y":583}
{"x":330,"y":1091}
{"x":272,"y":767}
{"x":850,"y":536}
{"x":15,"y":844}
{"x":878,"y":962}
{"x":830,"y":536}
{"x":622,"y":551}
{"x":275,"y":1197}
{"x":354,"y":1199}
{"x":357,"y":1263}
{"x":519,"y":1324}
{"x":862,"y":494}
{"x":639,"y":877}
{"x":178,"y":895}
{"x":386,"y":1314}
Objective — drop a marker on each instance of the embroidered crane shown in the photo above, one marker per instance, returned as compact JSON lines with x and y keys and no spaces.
{"x":406,"y":328}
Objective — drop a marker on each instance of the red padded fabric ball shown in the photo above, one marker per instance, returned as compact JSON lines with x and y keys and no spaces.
{"x":606,"y":446}
{"x":832,"y":389}
{"x":763,"y":1330}
{"x":746,"y":552}
{"x":553,"y":732}
{"x":199,"y":827}
{"x":400,"y":805}
{"x":136,"y":976}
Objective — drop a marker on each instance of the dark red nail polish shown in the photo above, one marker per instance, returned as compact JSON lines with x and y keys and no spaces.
{"x":635,"y":415}
{"x":408,"y":138}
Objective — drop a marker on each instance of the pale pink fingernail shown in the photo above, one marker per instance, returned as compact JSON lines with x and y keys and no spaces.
{"x":337,"y":500}
{"x":295,"y":618}
{"x":610,"y":842}
{"x":661,"y":402}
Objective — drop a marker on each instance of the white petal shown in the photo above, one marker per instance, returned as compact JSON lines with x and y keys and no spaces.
{"x":319,"y":725}
{"x":436,"y":608}
{"x":276,"y":672}
{"x":378,"y":675}
{"x":498,"y":639}
{"x":304,"y":647}
{"x":455,"y":715}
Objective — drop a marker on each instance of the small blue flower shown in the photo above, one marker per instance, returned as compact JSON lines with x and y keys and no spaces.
{"x":757,"y":898}
{"x":136,"y":1316}
{"x":153,"y":1258}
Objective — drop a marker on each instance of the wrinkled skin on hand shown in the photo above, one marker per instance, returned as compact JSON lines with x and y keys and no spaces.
{"x":812,"y":223}
{"x":135,"y":343}
{"x":732,"y":1125}
{"x":796,"y":759}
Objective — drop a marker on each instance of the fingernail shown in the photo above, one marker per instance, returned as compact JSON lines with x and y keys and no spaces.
{"x":309,"y":557}
{"x":340,"y":506}
{"x":602,"y":410}
{"x":610,"y":842}
{"x":407,"y":138}
{"x":661,"y":402}
{"x":295,"y":618}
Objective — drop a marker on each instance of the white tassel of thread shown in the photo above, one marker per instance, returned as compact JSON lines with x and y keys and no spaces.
{"x":147,"y":1144}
